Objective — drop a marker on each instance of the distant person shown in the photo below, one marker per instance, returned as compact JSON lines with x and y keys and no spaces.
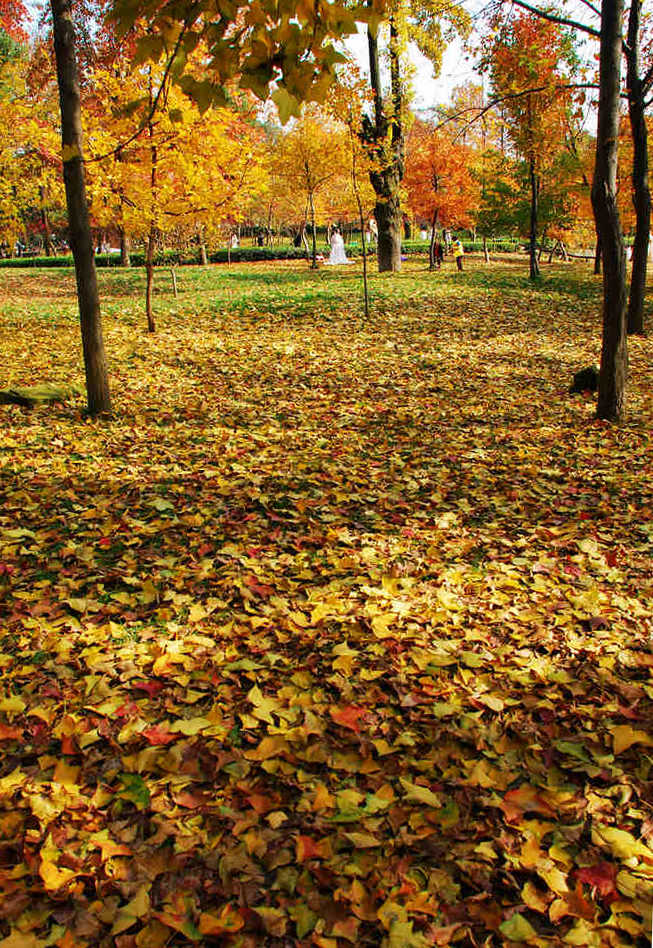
{"x":374,"y":230}
{"x":458,"y":252}
{"x":337,"y":254}
{"x":446,"y":234}
{"x":235,"y":243}
{"x":438,"y":253}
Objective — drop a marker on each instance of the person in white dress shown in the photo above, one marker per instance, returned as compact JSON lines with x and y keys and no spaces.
{"x":337,"y":254}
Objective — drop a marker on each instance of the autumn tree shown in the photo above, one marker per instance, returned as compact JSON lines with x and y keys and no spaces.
{"x":527,"y":58}
{"x":311,"y":155}
{"x":425,"y":24}
{"x":439,"y":181}
{"x":97,"y":379}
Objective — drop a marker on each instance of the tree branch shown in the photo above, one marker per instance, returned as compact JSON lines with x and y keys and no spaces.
{"x":553,"y":18}
{"x":155,"y":102}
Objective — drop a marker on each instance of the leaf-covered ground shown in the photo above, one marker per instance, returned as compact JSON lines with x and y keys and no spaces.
{"x":340,"y":633}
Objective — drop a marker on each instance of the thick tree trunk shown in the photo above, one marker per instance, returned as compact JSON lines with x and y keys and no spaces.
{"x":388,"y":220}
{"x":535,"y":189}
{"x":97,"y":379}
{"x":641,"y":191}
{"x":389,"y":168}
{"x":125,"y":260}
{"x":598,"y":253}
{"x":204,"y":258}
{"x":611,"y":403}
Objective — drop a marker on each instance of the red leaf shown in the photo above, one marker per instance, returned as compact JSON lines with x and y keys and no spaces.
{"x":601,"y":877}
{"x":158,"y":735}
{"x":348,"y":716}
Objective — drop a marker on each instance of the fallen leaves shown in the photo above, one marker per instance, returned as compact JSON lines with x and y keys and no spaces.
{"x":341,"y":653}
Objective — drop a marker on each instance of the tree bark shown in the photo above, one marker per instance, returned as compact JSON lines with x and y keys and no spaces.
{"x":641,"y":190}
{"x":45,"y":221}
{"x":149,"y":254}
{"x":534,"y":269}
{"x":125,"y":260}
{"x":598,"y":253}
{"x":611,"y":403}
{"x":434,"y":224}
{"x":313,"y":234}
{"x":486,"y":252}
{"x":97,"y":379}
{"x":387,"y":175}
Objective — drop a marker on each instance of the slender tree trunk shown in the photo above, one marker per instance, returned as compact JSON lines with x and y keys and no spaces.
{"x":151,"y":237}
{"x":535,"y":188}
{"x":45,"y":223}
{"x":611,"y":403}
{"x":97,"y":379}
{"x":356,"y":189}
{"x":313,"y":234}
{"x":641,"y":190}
{"x":434,"y":224}
{"x":598,"y":254}
{"x":486,"y":252}
{"x":149,"y":274}
{"x":407,"y":229}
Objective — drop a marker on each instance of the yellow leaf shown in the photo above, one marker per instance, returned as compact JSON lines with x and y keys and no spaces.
{"x":54,"y":877}
{"x":190,"y":726}
{"x":381,"y":624}
{"x":621,"y":844}
{"x":12,"y":706}
{"x":623,"y":737}
{"x":363,"y":840}
{"x":420,"y":794}
{"x":132,"y":911}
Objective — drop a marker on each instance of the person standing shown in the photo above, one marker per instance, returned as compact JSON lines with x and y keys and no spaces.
{"x":458,"y":252}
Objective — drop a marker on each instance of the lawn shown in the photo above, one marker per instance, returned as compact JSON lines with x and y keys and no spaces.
{"x":340,"y":633}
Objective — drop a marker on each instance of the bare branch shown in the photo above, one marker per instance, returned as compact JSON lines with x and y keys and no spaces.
{"x":553,"y":18}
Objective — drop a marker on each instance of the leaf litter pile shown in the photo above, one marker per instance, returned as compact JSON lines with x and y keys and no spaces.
{"x":339,"y":634}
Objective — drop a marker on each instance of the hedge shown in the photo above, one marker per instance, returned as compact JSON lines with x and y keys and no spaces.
{"x":245,"y":254}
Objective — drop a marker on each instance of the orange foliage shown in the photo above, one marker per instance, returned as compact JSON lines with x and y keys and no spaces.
{"x":438,"y":178}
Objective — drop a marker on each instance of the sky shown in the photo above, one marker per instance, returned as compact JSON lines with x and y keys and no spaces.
{"x":429,"y":91}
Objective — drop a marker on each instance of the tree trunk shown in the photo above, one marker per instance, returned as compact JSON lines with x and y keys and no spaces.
{"x":125,"y":260}
{"x":313,"y":234}
{"x":388,"y":172}
{"x":434,"y":224}
{"x":202,"y":242}
{"x":149,"y":255}
{"x":598,"y":253}
{"x":407,"y":229}
{"x":486,"y":252}
{"x":97,"y":379}
{"x":45,"y":222}
{"x":149,"y":273}
{"x":611,"y":402}
{"x":641,"y":191}
{"x":535,"y":187}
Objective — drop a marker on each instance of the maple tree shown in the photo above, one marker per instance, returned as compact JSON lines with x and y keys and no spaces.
{"x":439,"y":181}
{"x":526,"y":60}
